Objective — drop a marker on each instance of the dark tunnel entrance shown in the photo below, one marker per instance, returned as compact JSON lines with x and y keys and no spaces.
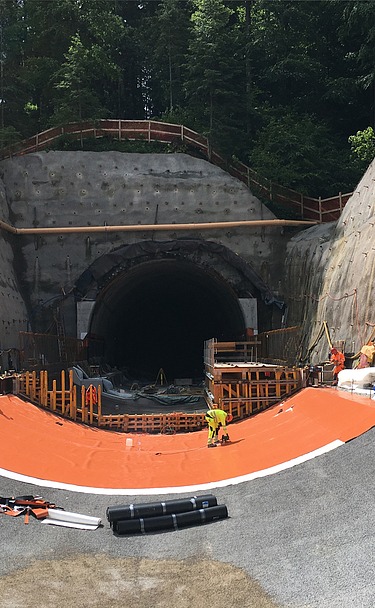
{"x":158,"y":314}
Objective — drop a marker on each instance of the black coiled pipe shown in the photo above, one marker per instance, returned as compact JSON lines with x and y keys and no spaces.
{"x":154,"y":509}
{"x":167,"y":522}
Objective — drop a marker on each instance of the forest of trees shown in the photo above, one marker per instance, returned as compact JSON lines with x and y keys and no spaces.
{"x":286,"y":86}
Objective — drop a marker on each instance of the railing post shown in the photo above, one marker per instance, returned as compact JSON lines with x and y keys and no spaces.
{"x":43,"y":389}
{"x":149,"y":131}
{"x":83,"y":403}
{"x":73,"y":402}
{"x":53,"y":396}
{"x":278,"y":384}
{"x":33,"y":386}
{"x":30,"y":385}
{"x":91,"y":409}
{"x":70,"y":379}
{"x":320,"y":210}
{"x":340,"y":202}
{"x":63,"y":392}
{"x":41,"y":373}
{"x":182,"y":132}
{"x":99,"y":402}
{"x":209,"y":151}
{"x":26,"y":383}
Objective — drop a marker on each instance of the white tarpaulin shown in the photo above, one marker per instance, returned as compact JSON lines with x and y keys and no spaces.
{"x":353,"y":379}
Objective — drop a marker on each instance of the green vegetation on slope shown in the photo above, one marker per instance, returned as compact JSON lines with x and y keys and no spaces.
{"x":280,"y":84}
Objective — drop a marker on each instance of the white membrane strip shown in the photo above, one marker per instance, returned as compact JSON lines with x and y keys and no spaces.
{"x":178,"y":489}
{"x":68,"y":524}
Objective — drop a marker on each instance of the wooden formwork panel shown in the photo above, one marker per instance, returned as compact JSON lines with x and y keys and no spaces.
{"x":190,"y":422}
{"x":144,"y":423}
{"x":244,"y":390}
{"x":239,"y":392}
{"x":112,"y":422}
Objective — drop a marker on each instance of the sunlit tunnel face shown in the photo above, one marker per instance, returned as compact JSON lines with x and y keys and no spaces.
{"x":158,"y":315}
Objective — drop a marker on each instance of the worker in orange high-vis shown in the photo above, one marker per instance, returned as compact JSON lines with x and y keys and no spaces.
{"x":216,"y":419}
{"x":338,"y":360}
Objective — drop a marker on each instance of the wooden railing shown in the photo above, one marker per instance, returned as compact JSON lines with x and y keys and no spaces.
{"x":281,"y":346}
{"x":301,"y":206}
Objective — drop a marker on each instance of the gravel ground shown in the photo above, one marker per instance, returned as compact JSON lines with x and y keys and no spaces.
{"x":303,"y":538}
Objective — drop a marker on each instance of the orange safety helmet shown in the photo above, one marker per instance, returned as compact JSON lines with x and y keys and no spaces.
{"x":229,"y":417}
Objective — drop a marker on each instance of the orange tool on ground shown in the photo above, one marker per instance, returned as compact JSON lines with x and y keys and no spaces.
{"x":26,"y":505}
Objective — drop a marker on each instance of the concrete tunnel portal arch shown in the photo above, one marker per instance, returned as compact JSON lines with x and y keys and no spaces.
{"x":158,"y":315}
{"x":154,"y":308}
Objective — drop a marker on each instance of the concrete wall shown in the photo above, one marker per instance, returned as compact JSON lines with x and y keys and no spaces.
{"x":330,"y":272}
{"x":325,"y":273}
{"x":63,"y":189}
{"x":13,"y":317}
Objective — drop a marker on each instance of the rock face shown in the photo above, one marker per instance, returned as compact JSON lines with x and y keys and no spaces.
{"x":330,"y":272}
{"x":13,"y":313}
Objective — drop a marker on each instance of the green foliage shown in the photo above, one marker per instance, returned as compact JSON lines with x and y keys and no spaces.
{"x":9,"y":136}
{"x":363,"y":147}
{"x":105,"y":144}
{"x":166,"y":43}
{"x":300,"y":152}
{"x":79,"y":99}
{"x":215,"y":80}
{"x":37,"y":73}
{"x":360,"y":24}
{"x":282,"y":82}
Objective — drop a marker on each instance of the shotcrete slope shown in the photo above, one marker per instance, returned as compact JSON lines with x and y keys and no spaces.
{"x":329,"y":275}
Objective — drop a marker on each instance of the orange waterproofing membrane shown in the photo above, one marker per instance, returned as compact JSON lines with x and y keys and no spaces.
{"x":41,"y":448}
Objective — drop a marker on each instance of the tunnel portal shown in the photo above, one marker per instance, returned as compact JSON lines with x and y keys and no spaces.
{"x":158,"y":314}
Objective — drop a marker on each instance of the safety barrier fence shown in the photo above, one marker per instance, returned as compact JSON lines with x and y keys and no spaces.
{"x":277,"y":347}
{"x":240,"y":397}
{"x":304,"y":207}
{"x":281,"y":346}
{"x":236,"y":351}
{"x":38,"y":350}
